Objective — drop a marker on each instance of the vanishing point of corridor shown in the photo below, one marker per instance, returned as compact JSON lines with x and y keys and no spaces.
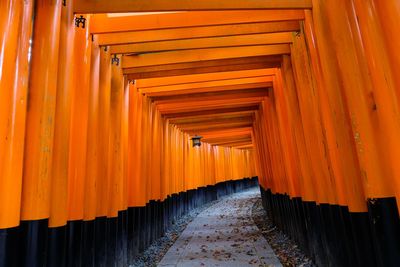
{"x":120,"y":120}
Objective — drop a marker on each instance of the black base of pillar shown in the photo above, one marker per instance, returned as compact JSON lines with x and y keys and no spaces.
{"x":57,"y":246}
{"x":9,"y":247}
{"x":333,"y":236}
{"x":385,"y":225}
{"x":104,"y":241}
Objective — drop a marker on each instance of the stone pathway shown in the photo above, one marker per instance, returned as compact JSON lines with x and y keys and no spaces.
{"x":223,"y":235}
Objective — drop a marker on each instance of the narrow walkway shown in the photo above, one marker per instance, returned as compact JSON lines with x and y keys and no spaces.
{"x":223,"y":235}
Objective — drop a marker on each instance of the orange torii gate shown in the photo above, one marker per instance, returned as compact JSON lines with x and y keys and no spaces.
{"x":99,"y":101}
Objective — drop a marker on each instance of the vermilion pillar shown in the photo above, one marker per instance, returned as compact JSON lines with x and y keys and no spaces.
{"x":59,"y":169}
{"x":36,"y":188}
{"x":340,"y":142}
{"x":15,"y":36}
{"x":104,"y":109}
{"x":369,"y":122}
{"x":386,"y":15}
{"x":93,"y":132}
{"x":383,"y":78}
{"x":115,"y":171}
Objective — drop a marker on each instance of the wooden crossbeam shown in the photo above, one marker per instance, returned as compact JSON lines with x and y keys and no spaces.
{"x":120,"y":40}
{"x":246,"y":139}
{"x":194,"y":105}
{"x":196,"y":55}
{"x":204,"y":99}
{"x":244,"y":146}
{"x":204,"y":119}
{"x":225,"y":135}
{"x":210,"y":111}
{"x":222,"y":134}
{"x":107,"y":6}
{"x":273,"y":60}
{"x":193,"y":127}
{"x":214,"y":126}
{"x":229,"y":138}
{"x":229,"y":125}
{"x":264,"y":85}
{"x":232,"y":142}
{"x":180,"y":120}
{"x":191,"y":109}
{"x":205,"y":84}
{"x":211,"y":123}
{"x":201,"y":70}
{"x":237,"y":144}
{"x":103,"y":23}
{"x":175,"y":80}
{"x":205,"y":132}
{"x":210,"y":42}
{"x":211,"y":95}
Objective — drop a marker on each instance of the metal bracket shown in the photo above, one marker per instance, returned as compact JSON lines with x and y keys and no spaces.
{"x":115,"y":59}
{"x":80,"y":20}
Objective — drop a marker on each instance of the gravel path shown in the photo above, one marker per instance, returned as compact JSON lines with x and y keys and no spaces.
{"x":223,"y":235}
{"x":153,"y":254}
{"x":287,"y":251}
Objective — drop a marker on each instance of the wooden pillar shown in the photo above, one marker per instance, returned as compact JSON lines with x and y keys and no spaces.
{"x":385,"y":14}
{"x":340,"y":141}
{"x":115,"y":153}
{"x":156,"y":155}
{"x":65,"y":86}
{"x":385,"y":92}
{"x":36,"y":188}
{"x":59,"y":170}
{"x":287,"y":134}
{"x":276,"y":148}
{"x":124,"y":137}
{"x":15,"y":36}
{"x":311,"y":119}
{"x":116,"y":214}
{"x":102,"y":183}
{"x":41,"y":108}
{"x":336,"y":117}
{"x":369,"y":121}
{"x":102,"y":201}
{"x":135,"y":183}
{"x":145,"y":148}
{"x":307,"y":188}
{"x":93,"y":133}
{"x":79,"y":121}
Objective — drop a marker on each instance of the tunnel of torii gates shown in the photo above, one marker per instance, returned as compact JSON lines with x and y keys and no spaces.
{"x":99,"y":101}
